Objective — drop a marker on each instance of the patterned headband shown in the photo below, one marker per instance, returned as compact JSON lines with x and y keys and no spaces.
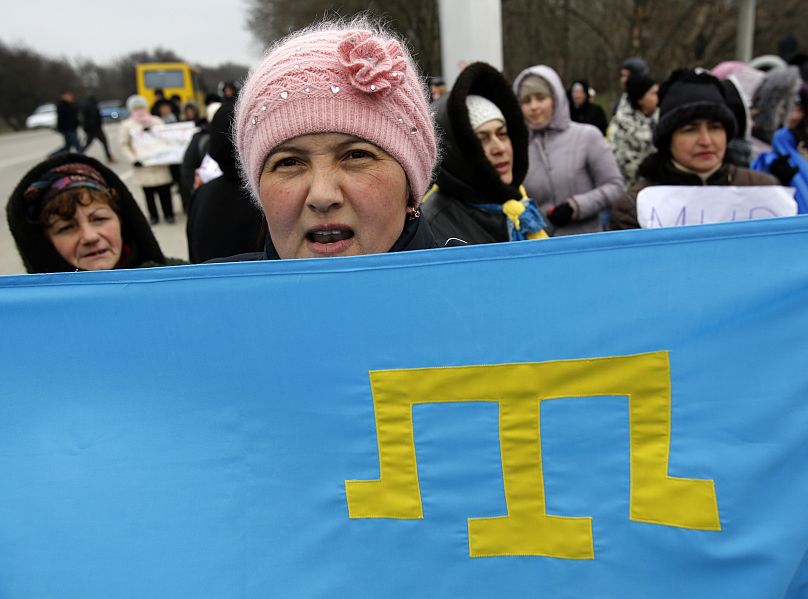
{"x":62,"y":178}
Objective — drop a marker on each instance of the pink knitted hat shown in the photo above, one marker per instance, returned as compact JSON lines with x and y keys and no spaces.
{"x":337,"y":79}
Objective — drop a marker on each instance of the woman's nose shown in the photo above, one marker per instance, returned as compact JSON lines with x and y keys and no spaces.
{"x":88,"y":234}
{"x":324,"y":190}
{"x":704,"y":136}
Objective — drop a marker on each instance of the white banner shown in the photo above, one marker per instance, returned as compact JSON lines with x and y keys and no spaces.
{"x":675,"y":205}
{"x":163,"y":144}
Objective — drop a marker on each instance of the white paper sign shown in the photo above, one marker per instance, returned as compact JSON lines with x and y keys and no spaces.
{"x":209,"y":169}
{"x":676,"y":205}
{"x":163,"y":144}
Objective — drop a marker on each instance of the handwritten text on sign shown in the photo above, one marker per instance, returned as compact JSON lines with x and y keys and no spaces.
{"x":675,"y":205}
{"x":163,"y":144}
{"x":519,"y":389}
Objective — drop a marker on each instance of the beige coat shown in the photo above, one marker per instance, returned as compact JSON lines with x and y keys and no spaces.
{"x":145,"y":176}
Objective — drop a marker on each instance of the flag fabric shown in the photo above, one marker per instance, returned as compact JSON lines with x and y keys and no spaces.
{"x":613,"y":415}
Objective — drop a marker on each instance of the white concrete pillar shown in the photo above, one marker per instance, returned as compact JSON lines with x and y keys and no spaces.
{"x":471,"y":30}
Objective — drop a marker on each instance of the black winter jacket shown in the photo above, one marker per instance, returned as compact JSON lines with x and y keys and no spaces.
{"x":657,"y":169}
{"x":222,"y":219}
{"x":67,"y":116}
{"x":589,"y":114}
{"x":91,"y":116}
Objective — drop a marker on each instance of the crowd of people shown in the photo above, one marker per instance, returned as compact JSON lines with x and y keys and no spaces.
{"x":335,"y":146}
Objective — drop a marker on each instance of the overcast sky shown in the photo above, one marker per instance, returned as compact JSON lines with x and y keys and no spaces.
{"x":208,"y":32}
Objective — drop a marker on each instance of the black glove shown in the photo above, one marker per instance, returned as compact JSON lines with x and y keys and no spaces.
{"x":560,"y":215}
{"x":137,"y":163}
{"x":782,"y":169}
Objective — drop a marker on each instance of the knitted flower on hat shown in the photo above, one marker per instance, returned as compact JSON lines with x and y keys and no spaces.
{"x":372,"y":67}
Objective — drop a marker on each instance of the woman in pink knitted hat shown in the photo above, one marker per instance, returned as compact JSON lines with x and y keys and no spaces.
{"x":336,"y":143}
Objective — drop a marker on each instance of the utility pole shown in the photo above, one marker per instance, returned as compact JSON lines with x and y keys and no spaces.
{"x":746,"y":30}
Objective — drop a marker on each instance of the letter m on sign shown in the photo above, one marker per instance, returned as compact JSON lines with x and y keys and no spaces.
{"x":519,"y":389}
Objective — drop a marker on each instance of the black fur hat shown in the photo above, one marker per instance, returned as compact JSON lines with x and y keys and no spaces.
{"x":686,"y":96}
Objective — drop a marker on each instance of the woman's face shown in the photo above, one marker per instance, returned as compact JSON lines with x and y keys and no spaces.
{"x":650,"y":100}
{"x":578,"y":95}
{"x":537,"y":109}
{"x":90,"y":239}
{"x":497,"y":147}
{"x":699,"y":145}
{"x":332,"y":194}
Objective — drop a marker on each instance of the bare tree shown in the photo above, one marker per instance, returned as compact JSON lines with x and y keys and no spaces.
{"x":28,"y":79}
{"x":590,"y":38}
{"x":415,"y":20}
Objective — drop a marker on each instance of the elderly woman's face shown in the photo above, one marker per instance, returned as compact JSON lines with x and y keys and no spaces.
{"x":699,"y":145}
{"x":332,"y":194}
{"x":90,"y":239}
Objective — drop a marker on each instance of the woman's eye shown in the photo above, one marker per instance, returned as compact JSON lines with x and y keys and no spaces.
{"x":64,"y":228}
{"x":284,"y":163}
{"x":358,"y":154}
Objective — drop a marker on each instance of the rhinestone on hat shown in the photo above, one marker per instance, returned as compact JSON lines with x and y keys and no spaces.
{"x":334,"y":89}
{"x":373,"y":88}
{"x":284,"y":94}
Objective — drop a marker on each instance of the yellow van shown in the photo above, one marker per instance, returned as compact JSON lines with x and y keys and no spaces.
{"x":173,"y":78}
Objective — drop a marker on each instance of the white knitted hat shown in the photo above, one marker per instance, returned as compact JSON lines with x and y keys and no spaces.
{"x":481,"y":110}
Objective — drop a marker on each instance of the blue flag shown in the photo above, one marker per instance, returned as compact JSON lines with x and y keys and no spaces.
{"x":614,"y":415}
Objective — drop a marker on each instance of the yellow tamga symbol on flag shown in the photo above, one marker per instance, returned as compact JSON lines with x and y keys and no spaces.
{"x":519,"y":389}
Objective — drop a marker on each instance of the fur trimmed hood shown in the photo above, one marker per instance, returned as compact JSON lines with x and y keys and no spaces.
{"x":465,"y":172}
{"x":561,"y":109}
{"x":778,"y":90}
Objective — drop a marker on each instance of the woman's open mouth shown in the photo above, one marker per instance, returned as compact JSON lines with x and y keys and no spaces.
{"x":329,"y":240}
{"x":95,"y":254}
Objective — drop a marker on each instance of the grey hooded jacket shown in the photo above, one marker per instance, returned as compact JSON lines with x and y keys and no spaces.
{"x":569,"y":160}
